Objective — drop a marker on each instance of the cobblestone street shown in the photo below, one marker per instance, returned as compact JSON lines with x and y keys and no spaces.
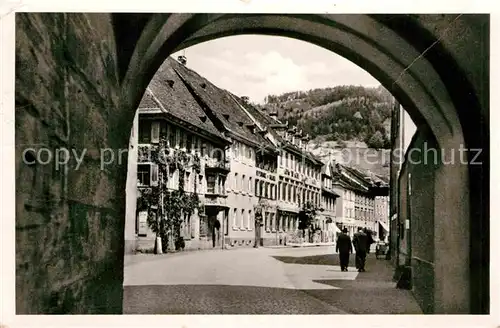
{"x":260,"y":281}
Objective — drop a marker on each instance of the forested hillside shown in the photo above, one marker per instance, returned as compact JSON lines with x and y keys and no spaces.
{"x":342,"y":113}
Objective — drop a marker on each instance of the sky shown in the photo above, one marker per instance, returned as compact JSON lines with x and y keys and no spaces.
{"x":257,"y":65}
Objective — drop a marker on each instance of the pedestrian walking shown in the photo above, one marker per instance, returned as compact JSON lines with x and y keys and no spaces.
{"x":344,"y":247}
{"x":360,"y":241}
{"x":369,"y":241}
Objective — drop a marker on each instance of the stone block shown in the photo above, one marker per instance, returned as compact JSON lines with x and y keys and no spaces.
{"x":69,"y":223}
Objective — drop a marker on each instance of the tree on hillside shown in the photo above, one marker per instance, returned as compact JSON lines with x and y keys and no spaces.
{"x":376,"y":140}
{"x":353,"y":112}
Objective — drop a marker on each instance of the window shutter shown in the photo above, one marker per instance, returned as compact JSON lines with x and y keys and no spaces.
{"x":155,"y":132}
{"x":154,"y":174}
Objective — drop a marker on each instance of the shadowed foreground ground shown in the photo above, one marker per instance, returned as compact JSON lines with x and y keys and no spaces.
{"x":261,"y":281}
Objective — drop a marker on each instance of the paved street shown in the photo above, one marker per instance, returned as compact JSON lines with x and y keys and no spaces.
{"x":260,"y":281}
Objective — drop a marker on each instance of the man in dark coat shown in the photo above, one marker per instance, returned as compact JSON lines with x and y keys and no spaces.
{"x":370,"y":240}
{"x":360,"y":241}
{"x":344,"y":247}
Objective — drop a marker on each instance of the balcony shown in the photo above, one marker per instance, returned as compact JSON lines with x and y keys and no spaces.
{"x":263,"y":174}
{"x":215,"y":200}
{"x":329,"y":191}
{"x":212,"y":164}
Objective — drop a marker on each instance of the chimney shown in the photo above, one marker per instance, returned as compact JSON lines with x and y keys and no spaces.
{"x":245,"y":99}
{"x":182,"y":60}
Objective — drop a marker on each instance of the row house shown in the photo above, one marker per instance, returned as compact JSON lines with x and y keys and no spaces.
{"x":176,"y":116}
{"x":266,"y":185}
{"x":382,"y":217}
{"x":299,"y":180}
{"x":255,"y":172}
{"x":328,"y":205}
{"x":291,"y":177}
{"x":266,"y":182}
{"x":247,"y":185}
{"x":344,"y":217}
{"x":356,"y":205}
{"x":364,"y":209}
{"x":366,"y":203}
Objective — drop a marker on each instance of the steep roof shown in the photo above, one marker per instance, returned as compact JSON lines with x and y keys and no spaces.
{"x":224,"y":107}
{"x":260,"y":115}
{"x":350,"y":181}
{"x":148,"y":101}
{"x":357,"y":179}
{"x":263,"y":122}
{"x":267,"y":121}
{"x":369,"y":177}
{"x":359,"y":175}
{"x":167,"y":91}
{"x":348,"y":184}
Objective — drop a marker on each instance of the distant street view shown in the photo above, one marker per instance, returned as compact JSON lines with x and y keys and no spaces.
{"x":246,"y":200}
{"x":248,"y":162}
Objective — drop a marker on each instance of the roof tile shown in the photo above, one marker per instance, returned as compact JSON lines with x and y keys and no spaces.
{"x":173,"y":95}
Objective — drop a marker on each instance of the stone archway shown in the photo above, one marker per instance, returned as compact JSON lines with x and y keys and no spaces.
{"x":441,"y":84}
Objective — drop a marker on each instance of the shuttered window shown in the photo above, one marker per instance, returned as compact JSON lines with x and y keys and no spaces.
{"x":155,"y":132}
{"x":154,"y":174}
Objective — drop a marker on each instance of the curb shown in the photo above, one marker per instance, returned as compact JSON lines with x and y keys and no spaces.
{"x":300,"y":245}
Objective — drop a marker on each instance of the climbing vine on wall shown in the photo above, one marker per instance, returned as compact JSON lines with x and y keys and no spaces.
{"x":166,"y":208}
{"x":306,"y":218}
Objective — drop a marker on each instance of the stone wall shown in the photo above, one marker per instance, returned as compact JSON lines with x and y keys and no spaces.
{"x":419,"y":209}
{"x":422,"y":220}
{"x":69,"y":219}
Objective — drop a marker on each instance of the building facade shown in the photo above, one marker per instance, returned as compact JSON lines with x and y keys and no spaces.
{"x":357,"y":190}
{"x":299,"y":174}
{"x":266,"y":191}
{"x":241,"y":196}
{"x":328,"y":205}
{"x":382,"y":217}
{"x":288,"y":177}
{"x":229,"y":114}
{"x":255,"y":173}
{"x":200,"y":229}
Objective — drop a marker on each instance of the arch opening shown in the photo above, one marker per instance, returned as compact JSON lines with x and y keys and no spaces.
{"x":403,"y":69}
{"x":438,"y":86}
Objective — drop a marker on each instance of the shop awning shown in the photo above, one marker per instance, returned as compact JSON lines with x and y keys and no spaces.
{"x":384,"y":226}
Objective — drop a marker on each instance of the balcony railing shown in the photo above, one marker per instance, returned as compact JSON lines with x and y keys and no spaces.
{"x":267,"y":167}
{"x":212,"y":163}
{"x":213,"y":199}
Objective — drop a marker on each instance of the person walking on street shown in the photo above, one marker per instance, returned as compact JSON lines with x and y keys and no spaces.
{"x":344,"y":247}
{"x":369,"y":241}
{"x":360,"y":241}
